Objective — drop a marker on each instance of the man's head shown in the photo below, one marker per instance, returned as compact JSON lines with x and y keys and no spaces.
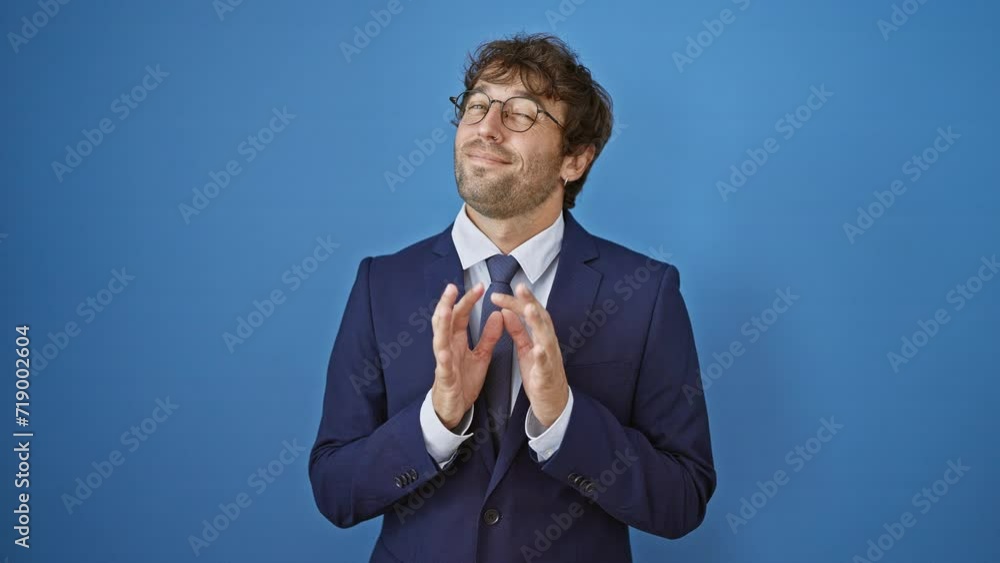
{"x":543,"y":142}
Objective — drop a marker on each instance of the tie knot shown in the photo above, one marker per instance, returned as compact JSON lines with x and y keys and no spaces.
{"x":502,"y":268}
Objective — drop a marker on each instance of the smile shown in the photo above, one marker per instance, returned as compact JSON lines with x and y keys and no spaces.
{"x":487,"y":160}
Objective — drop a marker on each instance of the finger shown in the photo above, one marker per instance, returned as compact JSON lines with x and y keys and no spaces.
{"x":525,"y":294}
{"x":522,"y":298}
{"x":518,"y":333}
{"x":441,"y":321}
{"x":524,"y":303}
{"x":463,"y":309}
{"x":511,"y":302}
{"x":521,"y":336}
{"x":447,"y":297}
{"x":492,"y":331}
{"x":542,"y":331}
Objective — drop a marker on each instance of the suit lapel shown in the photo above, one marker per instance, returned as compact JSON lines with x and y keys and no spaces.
{"x":443,"y":267}
{"x":573,"y":292}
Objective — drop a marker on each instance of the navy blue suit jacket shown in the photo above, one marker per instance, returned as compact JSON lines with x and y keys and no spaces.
{"x":636,"y":451}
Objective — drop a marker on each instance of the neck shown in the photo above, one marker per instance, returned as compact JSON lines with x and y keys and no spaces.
{"x":510,"y":233}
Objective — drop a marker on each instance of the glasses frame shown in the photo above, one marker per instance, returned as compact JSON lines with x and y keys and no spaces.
{"x":503,"y":103}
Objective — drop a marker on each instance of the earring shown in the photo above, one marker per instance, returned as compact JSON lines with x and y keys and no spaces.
{"x":565,"y":181}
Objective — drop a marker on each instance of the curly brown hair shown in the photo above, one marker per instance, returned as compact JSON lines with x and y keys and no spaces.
{"x":549,"y":68}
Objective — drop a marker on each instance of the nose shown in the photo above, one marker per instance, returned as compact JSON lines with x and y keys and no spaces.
{"x":491,"y":126}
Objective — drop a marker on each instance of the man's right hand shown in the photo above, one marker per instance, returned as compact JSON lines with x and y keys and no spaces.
{"x":460,"y":372}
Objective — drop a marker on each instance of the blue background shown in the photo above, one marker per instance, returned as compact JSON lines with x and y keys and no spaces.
{"x":654,"y":189}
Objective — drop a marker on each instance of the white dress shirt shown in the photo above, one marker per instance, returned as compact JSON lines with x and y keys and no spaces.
{"x":538,"y":258}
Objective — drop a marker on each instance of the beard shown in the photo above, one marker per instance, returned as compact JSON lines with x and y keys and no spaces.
{"x":499,"y":193}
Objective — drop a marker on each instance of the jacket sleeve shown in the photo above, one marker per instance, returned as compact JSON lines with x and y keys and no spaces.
{"x":657,"y":473}
{"x":363,"y":461}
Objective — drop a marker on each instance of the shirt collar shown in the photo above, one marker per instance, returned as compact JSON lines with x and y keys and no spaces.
{"x":534,"y":255}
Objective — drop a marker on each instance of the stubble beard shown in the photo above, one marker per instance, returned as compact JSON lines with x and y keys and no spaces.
{"x":502,"y":195}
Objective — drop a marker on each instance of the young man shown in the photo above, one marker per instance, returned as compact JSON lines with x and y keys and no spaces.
{"x":552,"y":399}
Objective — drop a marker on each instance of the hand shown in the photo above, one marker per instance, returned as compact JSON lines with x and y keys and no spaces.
{"x":542,"y":372}
{"x":460,"y":372}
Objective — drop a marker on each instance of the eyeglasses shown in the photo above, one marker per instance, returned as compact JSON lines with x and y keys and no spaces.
{"x":517,"y":114}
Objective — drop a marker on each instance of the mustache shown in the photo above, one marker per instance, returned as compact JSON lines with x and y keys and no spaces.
{"x":479,"y":146}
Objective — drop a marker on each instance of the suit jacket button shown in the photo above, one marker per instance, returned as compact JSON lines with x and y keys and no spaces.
{"x":579,"y":481}
{"x":399,"y":481}
{"x":572,"y":477}
{"x":491,"y":516}
{"x":412,"y":473}
{"x":589,"y":487}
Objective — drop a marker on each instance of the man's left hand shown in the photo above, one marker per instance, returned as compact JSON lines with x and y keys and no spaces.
{"x":538,"y":353}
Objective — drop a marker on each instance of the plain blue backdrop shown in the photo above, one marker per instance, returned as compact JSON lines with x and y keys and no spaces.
{"x":178,"y":88}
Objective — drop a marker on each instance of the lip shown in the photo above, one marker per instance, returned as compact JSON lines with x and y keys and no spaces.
{"x":486,"y":158}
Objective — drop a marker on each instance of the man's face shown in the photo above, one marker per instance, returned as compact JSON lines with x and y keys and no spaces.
{"x":501,"y":173}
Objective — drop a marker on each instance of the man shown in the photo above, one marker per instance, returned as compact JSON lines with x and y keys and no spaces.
{"x":553,"y":398}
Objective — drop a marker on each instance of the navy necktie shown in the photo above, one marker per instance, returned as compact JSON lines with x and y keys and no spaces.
{"x":498,"y":376}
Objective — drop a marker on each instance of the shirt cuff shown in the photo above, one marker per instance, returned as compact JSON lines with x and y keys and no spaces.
{"x":545,"y":441}
{"x":442,"y":444}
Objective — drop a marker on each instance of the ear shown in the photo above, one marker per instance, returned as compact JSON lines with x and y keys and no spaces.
{"x":577,"y":162}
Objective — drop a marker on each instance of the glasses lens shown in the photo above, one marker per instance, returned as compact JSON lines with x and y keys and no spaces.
{"x":472,"y":106}
{"x":519,"y":113}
